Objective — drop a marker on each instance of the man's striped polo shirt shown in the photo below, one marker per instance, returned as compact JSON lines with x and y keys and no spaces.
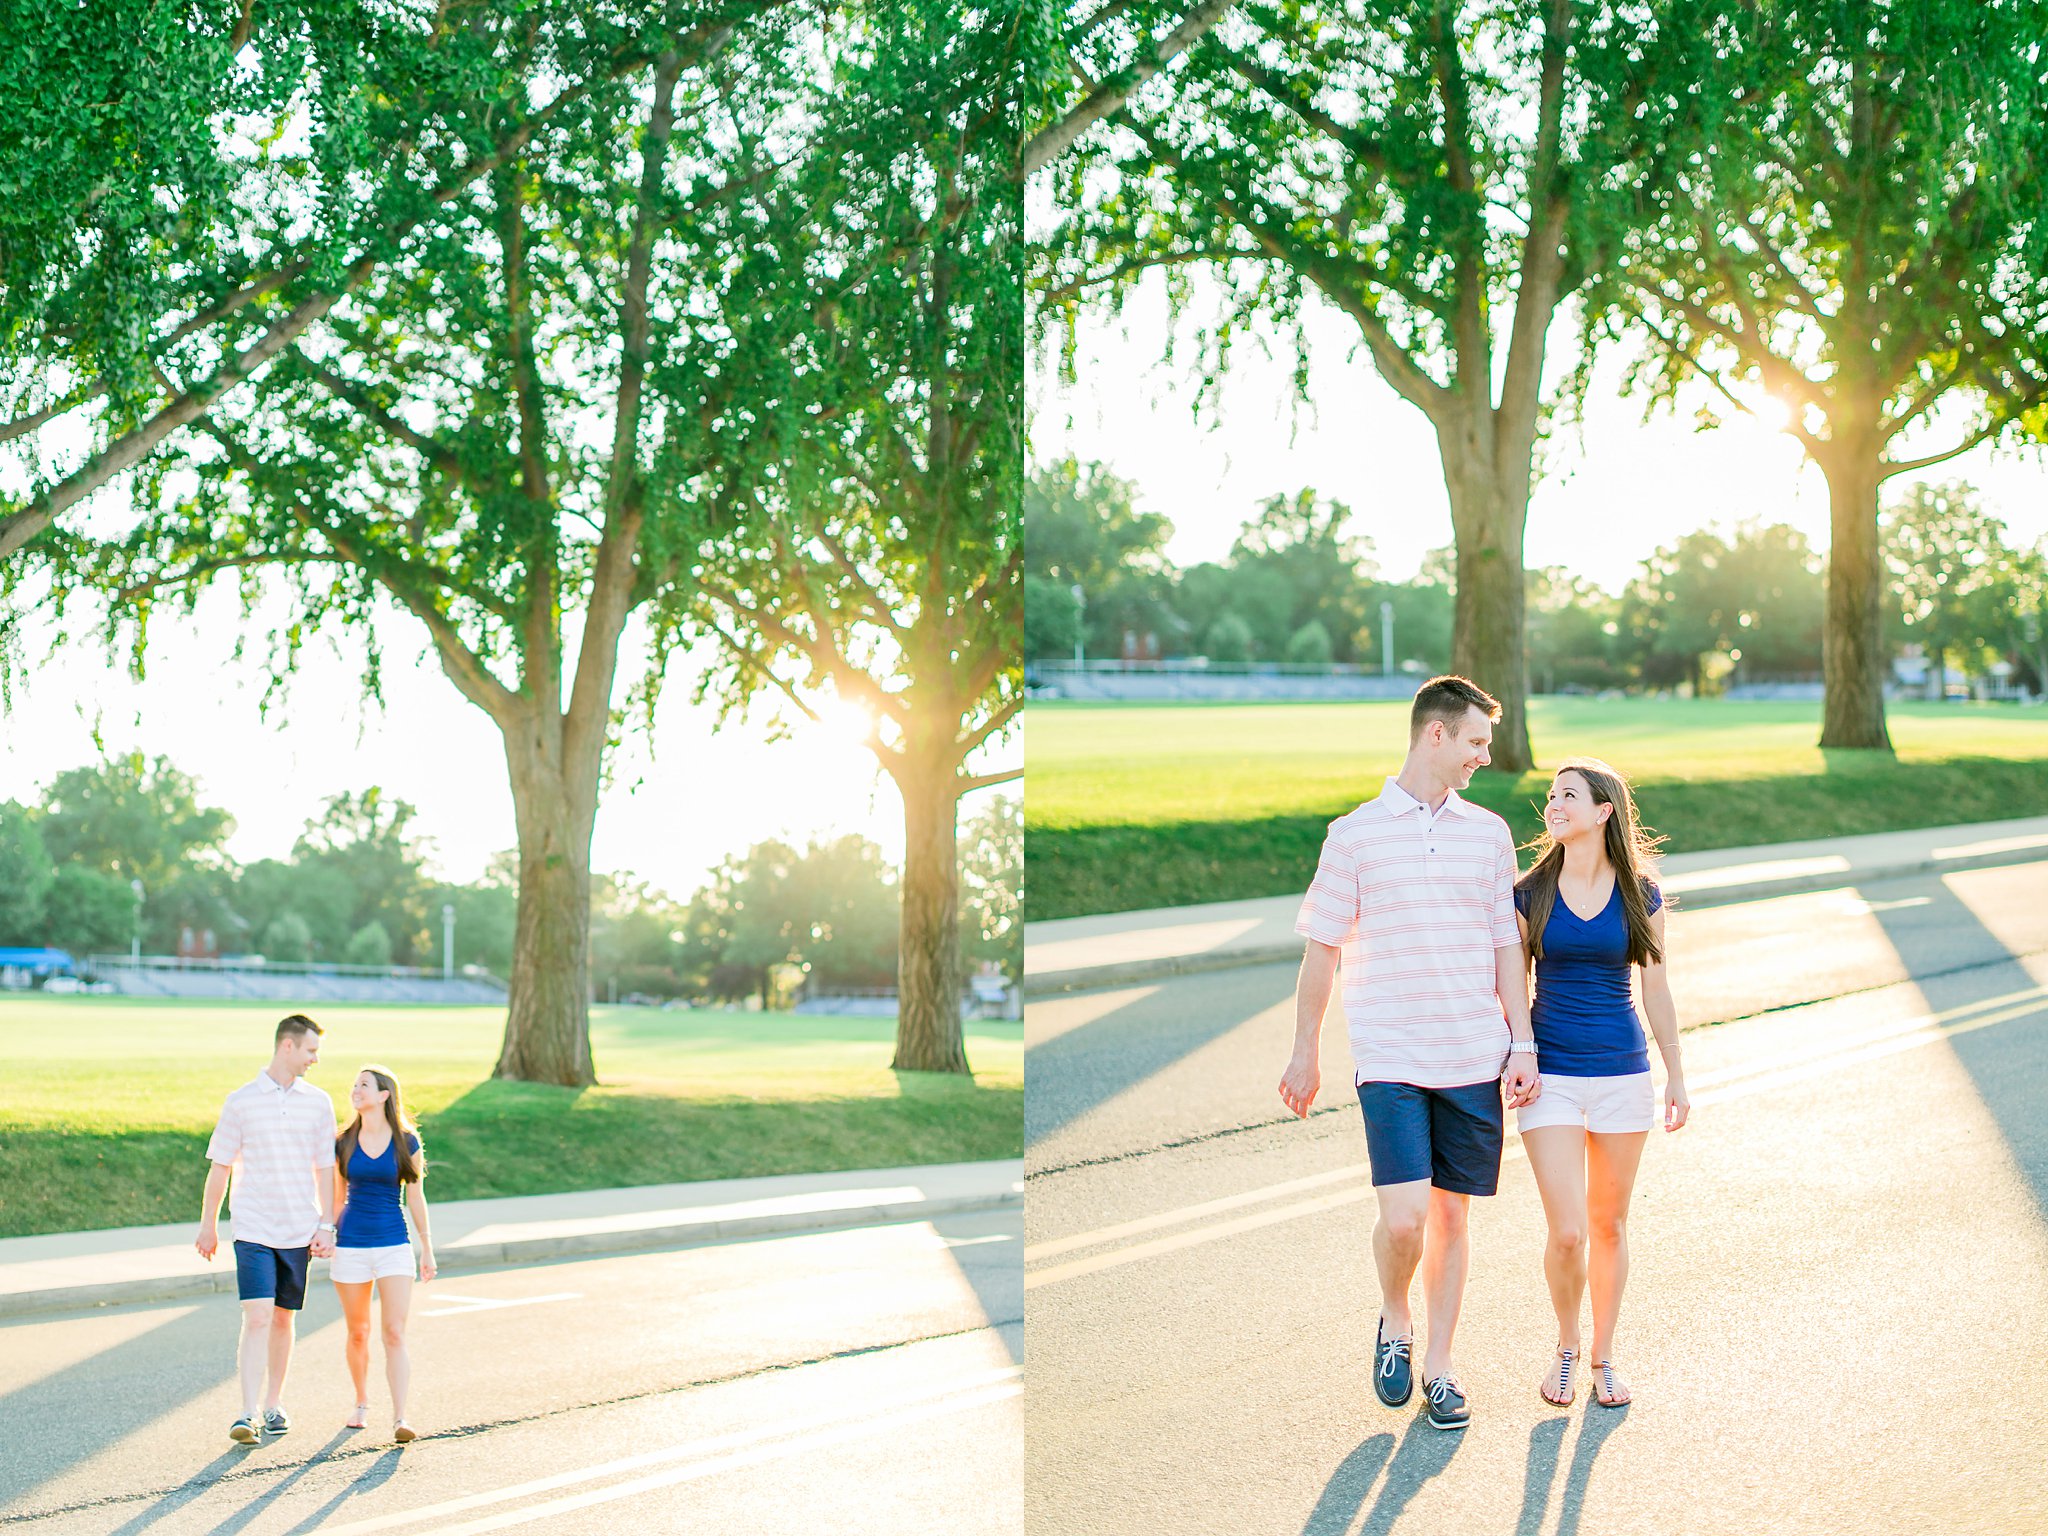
{"x":280,"y":1142}
{"x":1419,"y":903}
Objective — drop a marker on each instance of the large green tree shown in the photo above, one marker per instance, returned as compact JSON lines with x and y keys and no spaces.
{"x":1856,"y":232}
{"x":1445,"y":175}
{"x":193,"y":188}
{"x":510,"y":423}
{"x":880,"y":559}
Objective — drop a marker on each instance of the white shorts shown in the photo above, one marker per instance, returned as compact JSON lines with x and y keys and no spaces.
{"x":357,"y":1266}
{"x":1605,"y":1104}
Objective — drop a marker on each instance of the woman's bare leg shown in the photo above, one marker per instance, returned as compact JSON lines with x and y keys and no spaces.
{"x":355,"y":1313}
{"x":394,"y":1299}
{"x":1611,"y":1162}
{"x":1557,"y":1156}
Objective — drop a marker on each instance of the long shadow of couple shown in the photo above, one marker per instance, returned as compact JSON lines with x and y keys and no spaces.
{"x":1424,"y":1452}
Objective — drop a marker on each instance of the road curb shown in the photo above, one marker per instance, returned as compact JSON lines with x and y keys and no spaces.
{"x":1165,"y":967}
{"x":464,"y":1258}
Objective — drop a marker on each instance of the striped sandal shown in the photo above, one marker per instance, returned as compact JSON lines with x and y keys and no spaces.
{"x":1558,"y":1388}
{"x":1611,"y":1392}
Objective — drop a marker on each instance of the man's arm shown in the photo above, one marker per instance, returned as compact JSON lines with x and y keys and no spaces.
{"x":1303,"y":1078}
{"x":1511,"y":981}
{"x":323,"y":1237}
{"x":208,"y":1242}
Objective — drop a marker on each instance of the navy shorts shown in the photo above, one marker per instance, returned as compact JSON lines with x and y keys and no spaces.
{"x":276,"y":1275}
{"x":1449,"y":1136}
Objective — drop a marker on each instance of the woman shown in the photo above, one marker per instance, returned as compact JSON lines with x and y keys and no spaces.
{"x":374,"y":1159}
{"x":1588,"y":910}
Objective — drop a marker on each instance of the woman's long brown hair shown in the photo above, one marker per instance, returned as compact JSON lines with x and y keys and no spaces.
{"x":411,"y":1165}
{"x":1630,"y":849}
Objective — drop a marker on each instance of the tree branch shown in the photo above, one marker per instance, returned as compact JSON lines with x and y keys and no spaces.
{"x":1051,"y":142}
{"x":22,"y":425}
{"x":1991,"y":428}
{"x":826,"y":657}
{"x":991,"y":726}
{"x":393,"y":425}
{"x":207,"y":568}
{"x":964,"y":785}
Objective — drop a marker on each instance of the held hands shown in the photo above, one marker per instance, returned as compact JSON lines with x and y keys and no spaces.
{"x":1519,"y":1082}
{"x":323,"y":1245}
{"x":1676,"y":1105}
{"x":1300,"y":1083}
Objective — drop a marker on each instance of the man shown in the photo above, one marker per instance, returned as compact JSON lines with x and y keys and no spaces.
{"x":1415,"y":890}
{"x":276,"y":1137}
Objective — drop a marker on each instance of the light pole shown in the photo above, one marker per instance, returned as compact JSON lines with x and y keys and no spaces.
{"x":1386,"y":639}
{"x":448,"y":941}
{"x":1080,"y":624}
{"x":135,"y":932}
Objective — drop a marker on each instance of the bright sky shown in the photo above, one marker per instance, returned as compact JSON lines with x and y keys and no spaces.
{"x":1617,"y":489}
{"x":676,"y":807}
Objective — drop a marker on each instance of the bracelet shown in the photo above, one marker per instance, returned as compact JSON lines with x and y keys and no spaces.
{"x":1526,"y":1046}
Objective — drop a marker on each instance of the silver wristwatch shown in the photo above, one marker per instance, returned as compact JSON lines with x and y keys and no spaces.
{"x":1522,"y":1045}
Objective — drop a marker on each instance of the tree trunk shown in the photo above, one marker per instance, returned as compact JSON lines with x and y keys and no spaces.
{"x":547,"y":1030}
{"x":1937,"y":673}
{"x":1487,"y":642}
{"x":928,"y":1035}
{"x":1852,"y":644}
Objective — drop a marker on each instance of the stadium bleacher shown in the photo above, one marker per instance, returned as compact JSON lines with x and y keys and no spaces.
{"x":292,"y":986}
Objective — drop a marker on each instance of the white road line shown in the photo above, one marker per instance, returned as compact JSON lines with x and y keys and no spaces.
{"x":713,"y":1445}
{"x":1034,"y":1252}
{"x":466,"y":1304}
{"x":801,"y":1445}
{"x":1730,"y":1083}
{"x":1208,"y":1234}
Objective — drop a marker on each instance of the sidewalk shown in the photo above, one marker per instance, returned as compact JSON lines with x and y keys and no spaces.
{"x":1119,"y":949}
{"x":127,"y":1264}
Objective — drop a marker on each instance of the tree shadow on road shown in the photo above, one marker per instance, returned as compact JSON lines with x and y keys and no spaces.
{"x":1422,"y":1454}
{"x":2006,"y":1060}
{"x":60,"y":1420}
{"x":1094,"y":1062}
{"x":995,"y":1270}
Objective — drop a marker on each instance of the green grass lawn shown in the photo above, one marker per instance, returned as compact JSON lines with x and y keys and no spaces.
{"x":1136,"y":806}
{"x":109,"y":1101}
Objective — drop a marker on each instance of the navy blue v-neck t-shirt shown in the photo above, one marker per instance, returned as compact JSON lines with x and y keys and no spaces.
{"x":1583,"y":1016}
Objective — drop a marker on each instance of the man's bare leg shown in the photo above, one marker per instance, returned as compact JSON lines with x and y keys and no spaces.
{"x":254,"y":1354}
{"x":1397,"y":1244}
{"x":282,"y":1324}
{"x":1446,"y":1256}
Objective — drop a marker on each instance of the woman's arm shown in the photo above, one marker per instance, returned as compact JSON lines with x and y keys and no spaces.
{"x":416,"y":1202}
{"x":1663,"y":1019}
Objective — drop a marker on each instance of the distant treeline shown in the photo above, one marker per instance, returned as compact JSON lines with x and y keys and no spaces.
{"x":1720,"y":606}
{"x":123,"y":851}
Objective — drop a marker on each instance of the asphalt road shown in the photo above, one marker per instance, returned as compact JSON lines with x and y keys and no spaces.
{"x":866,"y":1380}
{"x":1839,"y":1300}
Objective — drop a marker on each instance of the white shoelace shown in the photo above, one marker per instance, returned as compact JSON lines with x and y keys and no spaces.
{"x":1397,"y":1349}
{"x":1441,"y":1389}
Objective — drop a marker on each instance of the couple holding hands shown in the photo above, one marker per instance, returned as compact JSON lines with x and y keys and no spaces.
{"x":1417,"y":895}
{"x":292,"y":1174}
